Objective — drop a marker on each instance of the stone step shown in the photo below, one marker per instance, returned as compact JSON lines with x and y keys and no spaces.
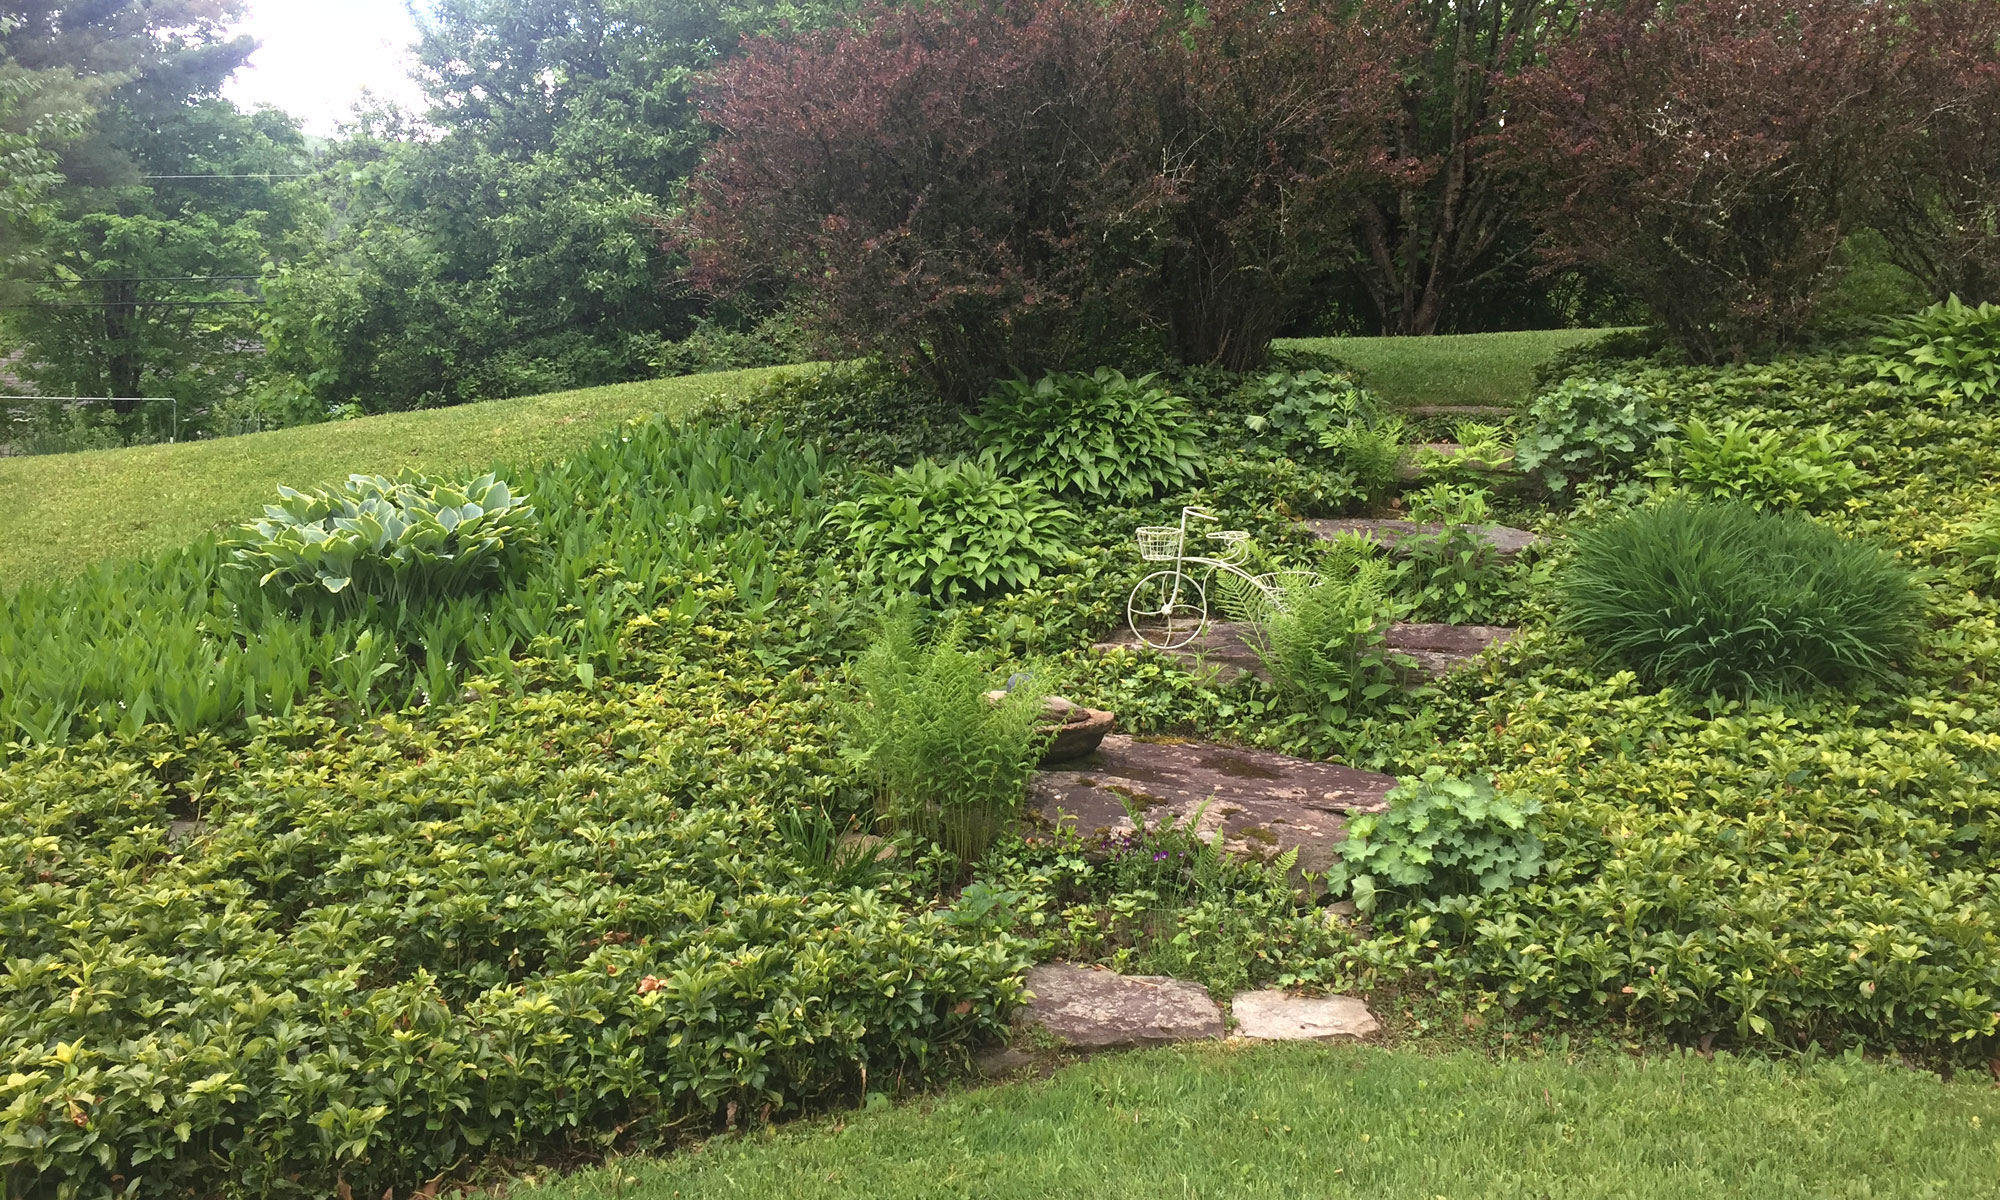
{"x":1089,"y":1008}
{"x":1470,"y":412}
{"x":1251,"y":802}
{"x":1222,"y":651}
{"x":1505,"y":539}
{"x":1274,"y":1016}
{"x":1410,"y":468}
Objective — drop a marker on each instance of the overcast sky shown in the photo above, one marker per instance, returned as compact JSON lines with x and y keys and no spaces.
{"x":318,"y":56}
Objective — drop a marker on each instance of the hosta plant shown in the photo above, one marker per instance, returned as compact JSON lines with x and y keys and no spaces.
{"x":1949,"y":350}
{"x":1088,"y":436}
{"x":409,"y":540}
{"x":957,"y":531}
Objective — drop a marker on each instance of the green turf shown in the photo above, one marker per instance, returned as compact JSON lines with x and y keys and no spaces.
{"x":1288,"y":1122}
{"x":59,"y":513}
{"x":1470,"y":368}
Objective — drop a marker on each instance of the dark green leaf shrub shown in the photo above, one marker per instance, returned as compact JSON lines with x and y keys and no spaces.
{"x":943,"y":760}
{"x":1724,"y":597}
{"x":1587,"y":429}
{"x":1949,"y":350}
{"x":410,"y":540}
{"x":1735,"y":459}
{"x":1452,"y":574}
{"x":955,"y":531}
{"x":1159,"y":900}
{"x":1096,"y":436}
{"x":1321,"y":418}
{"x":1298,"y":409}
{"x":1440,"y":837}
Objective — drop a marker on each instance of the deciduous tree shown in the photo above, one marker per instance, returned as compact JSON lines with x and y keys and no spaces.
{"x":1712,"y":154}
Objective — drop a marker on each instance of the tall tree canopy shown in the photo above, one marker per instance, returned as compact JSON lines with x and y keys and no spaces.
{"x":508,"y":247}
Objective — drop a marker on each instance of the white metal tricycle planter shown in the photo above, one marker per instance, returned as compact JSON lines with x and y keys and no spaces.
{"x":1169,"y":609}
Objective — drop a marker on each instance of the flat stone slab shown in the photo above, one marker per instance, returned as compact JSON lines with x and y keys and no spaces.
{"x":1102,"y":1010}
{"x":1222,"y":652}
{"x":1412,"y":466}
{"x":1458,"y":410}
{"x":1275,"y":1016}
{"x":1505,"y":540}
{"x":1441,"y":649}
{"x":1218,"y":651}
{"x":1258,"y":804}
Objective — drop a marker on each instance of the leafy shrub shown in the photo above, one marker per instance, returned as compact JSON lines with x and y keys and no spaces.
{"x":865,"y":411}
{"x":1440,"y":837}
{"x":1449,"y":575}
{"x":1949,"y":350}
{"x":1300,"y":408}
{"x":408,"y":541}
{"x":1728,"y":218}
{"x":1264,"y":482}
{"x":774,"y":341}
{"x":1159,"y":900}
{"x":1587,"y":429}
{"x":1089,"y":436}
{"x":1735,"y":460}
{"x":1724,"y":597}
{"x":942,"y":759}
{"x":1325,"y":641}
{"x":957,"y":531}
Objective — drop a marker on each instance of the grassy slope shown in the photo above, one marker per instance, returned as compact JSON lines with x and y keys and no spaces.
{"x":61,"y":512}
{"x":1356,"y":1122}
{"x":1472,"y":368}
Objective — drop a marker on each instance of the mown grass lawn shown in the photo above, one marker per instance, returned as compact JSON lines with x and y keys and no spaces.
{"x":1295,"y":1122}
{"x":59,"y":513}
{"x":1467,"y":368}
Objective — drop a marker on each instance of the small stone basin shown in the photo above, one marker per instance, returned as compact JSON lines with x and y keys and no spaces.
{"x":1079,"y":734}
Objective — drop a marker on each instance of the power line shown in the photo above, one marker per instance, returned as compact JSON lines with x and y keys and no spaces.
{"x":136,"y":304}
{"x":143,"y":279}
{"x":247,"y":177}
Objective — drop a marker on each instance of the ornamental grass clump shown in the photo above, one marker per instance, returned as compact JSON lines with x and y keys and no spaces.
{"x":945,"y":762}
{"x":1726,"y":598}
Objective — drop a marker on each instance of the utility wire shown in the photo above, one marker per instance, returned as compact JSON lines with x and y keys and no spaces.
{"x":137,"y":304}
{"x":265,"y":175}
{"x":141,"y":279}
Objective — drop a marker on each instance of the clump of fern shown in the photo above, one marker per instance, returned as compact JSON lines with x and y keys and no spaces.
{"x":945,"y":762}
{"x":1324,"y":638}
